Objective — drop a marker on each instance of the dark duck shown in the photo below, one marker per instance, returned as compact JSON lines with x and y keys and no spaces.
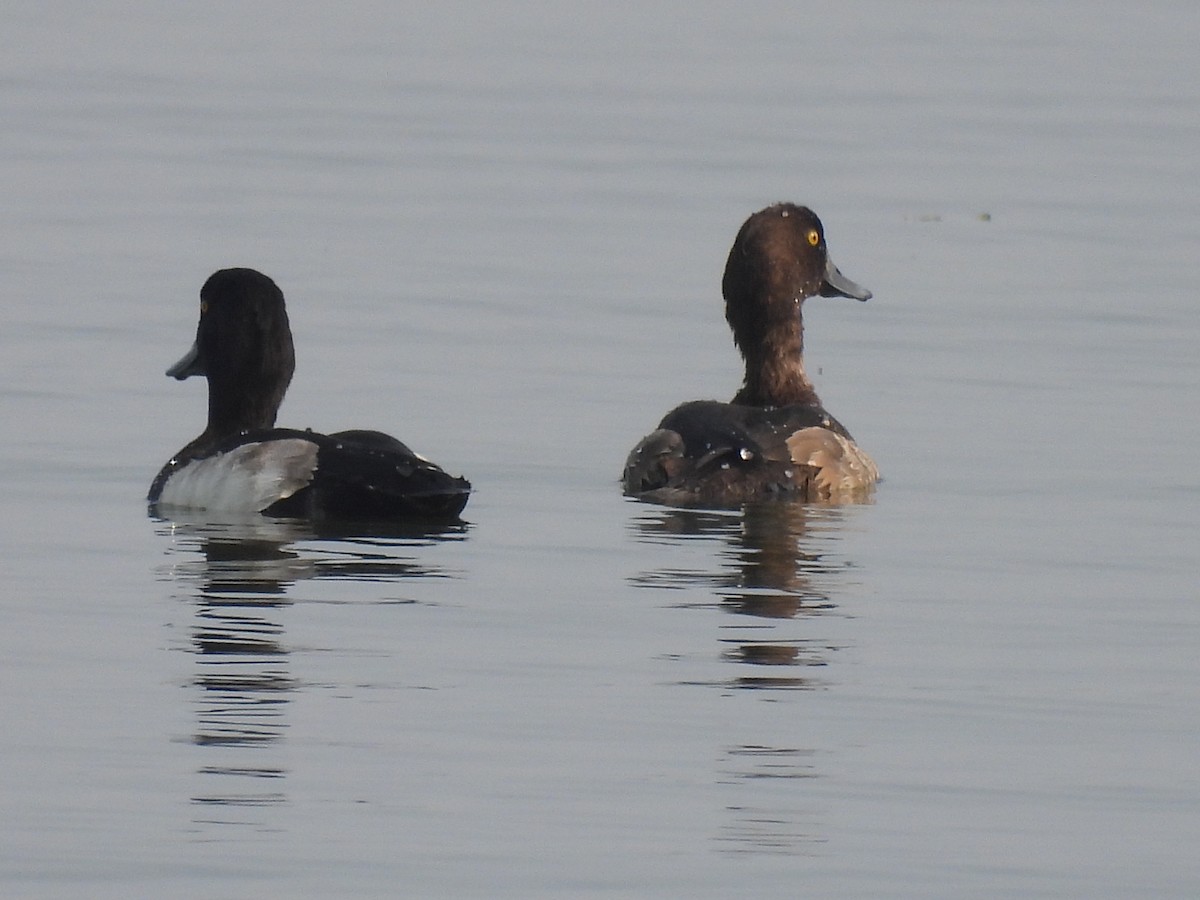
{"x":775,"y":439}
{"x":242,"y":463}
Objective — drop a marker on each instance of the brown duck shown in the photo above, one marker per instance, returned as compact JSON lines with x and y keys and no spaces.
{"x":775,"y":439}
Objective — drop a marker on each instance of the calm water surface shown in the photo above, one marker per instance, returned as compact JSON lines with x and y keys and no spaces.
{"x":502,"y":235}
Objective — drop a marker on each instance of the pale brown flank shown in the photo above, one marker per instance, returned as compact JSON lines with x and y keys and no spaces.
{"x":844,"y":473}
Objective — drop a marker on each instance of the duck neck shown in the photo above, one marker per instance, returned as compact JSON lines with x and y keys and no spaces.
{"x":232,"y":410}
{"x":775,"y":373}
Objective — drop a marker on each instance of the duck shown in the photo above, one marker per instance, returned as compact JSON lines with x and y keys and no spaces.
{"x":242,"y":464}
{"x":775,"y":438}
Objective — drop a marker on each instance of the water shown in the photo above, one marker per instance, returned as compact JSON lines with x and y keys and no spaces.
{"x":501,"y":235}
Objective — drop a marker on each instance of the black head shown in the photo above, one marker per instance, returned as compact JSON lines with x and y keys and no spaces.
{"x":244,"y":347}
{"x":778,"y":259}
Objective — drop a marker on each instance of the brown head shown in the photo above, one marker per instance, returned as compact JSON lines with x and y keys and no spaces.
{"x":778,"y":260}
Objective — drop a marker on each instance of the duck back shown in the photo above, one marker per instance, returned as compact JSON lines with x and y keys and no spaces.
{"x":708,"y":453}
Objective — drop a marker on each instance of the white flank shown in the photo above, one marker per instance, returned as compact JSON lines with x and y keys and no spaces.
{"x":248,"y":478}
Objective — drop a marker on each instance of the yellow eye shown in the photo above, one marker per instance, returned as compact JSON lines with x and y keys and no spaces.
{"x":203,"y":307}
{"x":813,"y":237}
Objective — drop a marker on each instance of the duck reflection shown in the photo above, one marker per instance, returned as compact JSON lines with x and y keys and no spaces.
{"x":774,"y":562}
{"x":236,"y":575}
{"x":774,"y":569}
{"x":776,"y":826}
